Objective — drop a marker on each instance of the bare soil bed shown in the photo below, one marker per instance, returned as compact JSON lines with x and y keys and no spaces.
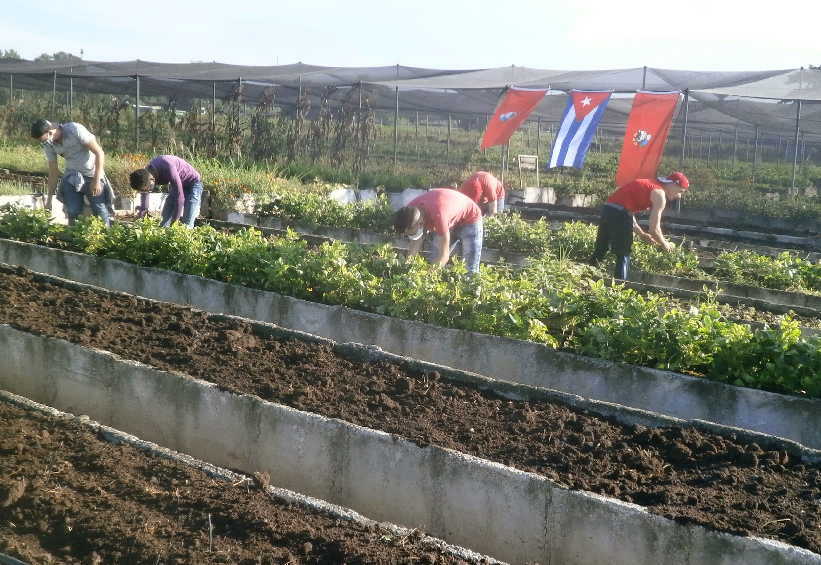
{"x":680,"y":473}
{"x":67,"y":496}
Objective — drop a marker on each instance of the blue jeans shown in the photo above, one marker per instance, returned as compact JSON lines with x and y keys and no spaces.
{"x":74,"y":201}
{"x":191,"y":207}
{"x":471,"y":237}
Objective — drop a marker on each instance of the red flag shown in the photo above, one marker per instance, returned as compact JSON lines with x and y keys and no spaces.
{"x":510,"y":113}
{"x":647,"y":128}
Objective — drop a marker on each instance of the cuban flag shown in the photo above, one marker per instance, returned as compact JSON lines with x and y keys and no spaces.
{"x":581,"y":118}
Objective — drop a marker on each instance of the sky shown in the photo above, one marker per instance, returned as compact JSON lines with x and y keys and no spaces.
{"x":714,"y":35}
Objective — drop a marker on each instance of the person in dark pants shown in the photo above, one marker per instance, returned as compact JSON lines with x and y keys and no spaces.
{"x":618,"y":221}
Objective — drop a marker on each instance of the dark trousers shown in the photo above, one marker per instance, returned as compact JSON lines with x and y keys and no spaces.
{"x":616,"y":233}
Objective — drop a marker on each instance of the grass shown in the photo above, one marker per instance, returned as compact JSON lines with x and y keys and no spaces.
{"x":14,"y":188}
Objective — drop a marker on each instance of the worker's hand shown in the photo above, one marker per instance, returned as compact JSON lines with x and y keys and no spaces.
{"x":96,"y":188}
{"x":668,"y":246}
{"x":646,"y":237}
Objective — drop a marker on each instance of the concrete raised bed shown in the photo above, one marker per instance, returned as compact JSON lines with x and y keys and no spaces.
{"x":531,"y":195}
{"x":792,"y":417}
{"x":312,"y":505}
{"x":512,"y":515}
{"x":36,"y":201}
{"x":734,"y":219}
{"x":400,"y":199}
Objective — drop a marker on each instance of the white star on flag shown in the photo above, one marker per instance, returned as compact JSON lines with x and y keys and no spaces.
{"x":586,"y":101}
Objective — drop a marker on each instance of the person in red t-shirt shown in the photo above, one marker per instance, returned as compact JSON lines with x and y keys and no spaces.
{"x":486,"y":190}
{"x":618,"y":220}
{"x":450,"y":216}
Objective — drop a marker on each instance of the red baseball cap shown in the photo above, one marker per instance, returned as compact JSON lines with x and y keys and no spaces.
{"x":676,"y":178}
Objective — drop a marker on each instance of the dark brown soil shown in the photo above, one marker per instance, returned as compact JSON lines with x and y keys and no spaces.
{"x":67,"y":496}
{"x":680,"y":473}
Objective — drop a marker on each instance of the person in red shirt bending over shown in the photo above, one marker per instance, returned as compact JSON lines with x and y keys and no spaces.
{"x":486,"y":190}
{"x":618,"y":220}
{"x":450,"y":216}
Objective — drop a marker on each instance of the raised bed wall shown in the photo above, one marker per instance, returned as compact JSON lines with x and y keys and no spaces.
{"x":525,"y":362}
{"x":512,"y":515}
{"x":734,"y":220}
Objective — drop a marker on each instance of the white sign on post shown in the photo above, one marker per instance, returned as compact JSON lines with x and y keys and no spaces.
{"x":528,"y":163}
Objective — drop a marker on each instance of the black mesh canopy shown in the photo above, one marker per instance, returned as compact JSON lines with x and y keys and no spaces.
{"x":723,"y":100}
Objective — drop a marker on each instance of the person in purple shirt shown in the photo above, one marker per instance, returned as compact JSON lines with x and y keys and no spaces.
{"x":184,"y":189}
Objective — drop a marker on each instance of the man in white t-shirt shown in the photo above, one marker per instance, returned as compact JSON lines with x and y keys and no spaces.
{"x":84,"y":175}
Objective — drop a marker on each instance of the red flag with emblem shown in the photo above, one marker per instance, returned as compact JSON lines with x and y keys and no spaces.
{"x":510,"y":113}
{"x":647,"y":128}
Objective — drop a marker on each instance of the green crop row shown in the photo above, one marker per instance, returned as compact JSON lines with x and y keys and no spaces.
{"x":550,"y":301}
{"x":574,"y":241}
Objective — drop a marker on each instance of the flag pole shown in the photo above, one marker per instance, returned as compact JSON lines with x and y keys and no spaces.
{"x":683,"y":138}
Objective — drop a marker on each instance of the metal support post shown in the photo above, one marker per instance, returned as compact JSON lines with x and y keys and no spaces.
{"x":755,"y":151}
{"x":396,"y":132}
{"x":735,"y":144}
{"x":709,"y":146}
{"x":242,"y":103}
{"x":416,"y":135}
{"x":795,"y":142}
{"x":71,"y":95}
{"x":538,"y":134}
{"x":214,"y":115}
{"x":684,"y":127}
{"x":447,"y":147}
{"x":507,"y":155}
{"x":297,"y":113}
{"x":53,"y":93}
{"x":137,"y":117}
{"x":644,"y":78}
{"x":502,"y":163}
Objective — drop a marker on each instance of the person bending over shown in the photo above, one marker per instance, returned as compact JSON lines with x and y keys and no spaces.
{"x":450,"y":216}
{"x":184,"y":189}
{"x":618,"y":221}
{"x":84,"y":175}
{"x":486,"y":190}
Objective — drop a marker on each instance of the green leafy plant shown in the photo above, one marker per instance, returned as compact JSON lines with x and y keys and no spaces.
{"x":552,"y":301}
